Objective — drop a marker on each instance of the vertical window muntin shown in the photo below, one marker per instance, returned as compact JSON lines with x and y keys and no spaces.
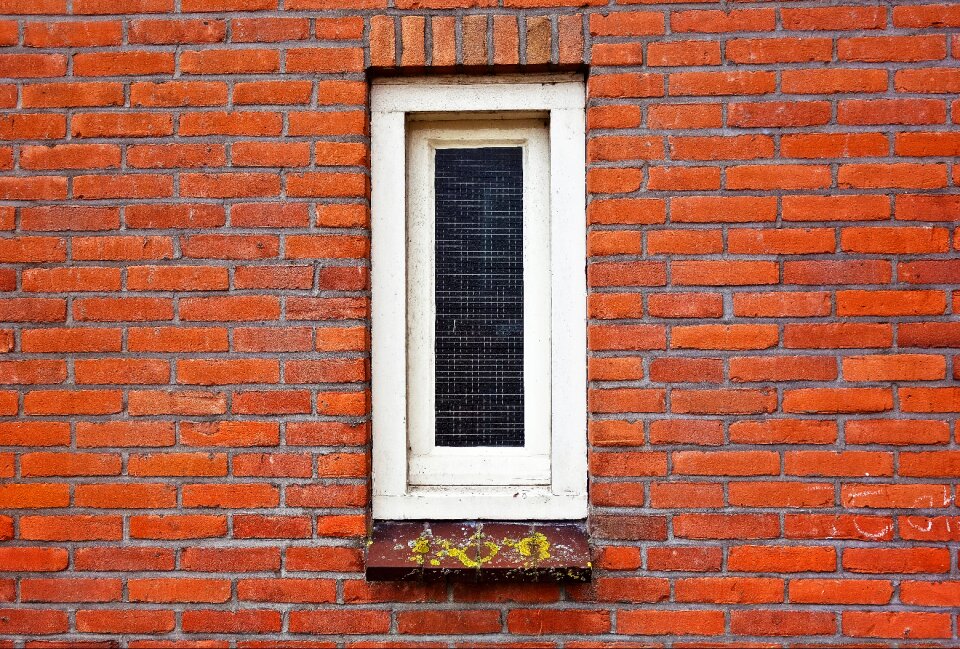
{"x":393,"y":103}
{"x":430,"y":464}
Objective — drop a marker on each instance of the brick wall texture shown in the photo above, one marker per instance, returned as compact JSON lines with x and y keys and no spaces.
{"x":774,"y":341}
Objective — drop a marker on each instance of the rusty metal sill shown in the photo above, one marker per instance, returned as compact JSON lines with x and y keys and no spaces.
{"x":478,"y":551}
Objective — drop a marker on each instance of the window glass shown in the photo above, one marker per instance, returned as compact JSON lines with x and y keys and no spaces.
{"x":479,"y":296}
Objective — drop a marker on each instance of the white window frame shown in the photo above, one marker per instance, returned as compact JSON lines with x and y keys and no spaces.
{"x":547,"y":478}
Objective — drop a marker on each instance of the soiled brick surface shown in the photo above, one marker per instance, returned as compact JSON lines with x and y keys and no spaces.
{"x":184,"y":315}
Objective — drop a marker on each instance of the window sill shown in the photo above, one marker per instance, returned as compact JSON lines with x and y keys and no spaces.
{"x":478,"y":551}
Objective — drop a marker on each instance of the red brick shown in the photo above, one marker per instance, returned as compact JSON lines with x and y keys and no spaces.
{"x":178,"y":527}
{"x":686,"y":305}
{"x":781,"y":304}
{"x":684,"y":242}
{"x":627,"y":211}
{"x":170,"y":32}
{"x":781,"y":495}
{"x":902,"y":367}
{"x":177,"y":464}
{"x":891,"y":111}
{"x":840,"y":591}
{"x":258,"y":30}
{"x":879,"y":624}
{"x":724,"y":336}
{"x":110,"y":558}
{"x":782,"y":623}
{"x":689,"y":431}
{"x":783,"y":368}
{"x":239,"y":621}
{"x":779,"y":559}
{"x":72,"y":402}
{"x":128,"y":621}
{"x":69,"y":218}
{"x":628,"y":464}
{"x":62,"y":280}
{"x":684,"y":178}
{"x":225,"y":61}
{"x":686,"y":559}
{"x":121,"y":309}
{"x":680,"y":495}
{"x":121,"y":6}
{"x":627,"y":400}
{"x":69,"y":464}
{"x":70,"y":590}
{"x":714,"y":22}
{"x":683,"y":116}
{"x":686,"y":370}
{"x":118,"y":495}
{"x":615,"y":433}
{"x":175,"y":156}
{"x":736,"y":147}
{"x":170,"y":402}
{"x":38,"y":7}
{"x":234,"y":496}
{"x":325,"y":60}
{"x":171,"y":590}
{"x":828,"y":526}
{"x":36,"y":188}
{"x":726,"y":526}
{"x":834,"y":145}
{"x":912,"y":560}
{"x":834,"y":18}
{"x":723,"y":209}
{"x":543,"y":621}
{"x":726,"y":463}
{"x":943,"y":399}
{"x":891,"y":48}
{"x":844,"y":463}
{"x":627,"y":84}
{"x":634,"y":23}
{"x":127,"y":63}
{"x":925,"y":593}
{"x":33,"y":621}
{"x":178,"y":93}
{"x":723,"y":401}
{"x":929,"y":80}
{"x":720,"y":83}
{"x":729,"y":590}
{"x":779,"y":50}
{"x":871,"y":303}
{"x":448,"y":622}
{"x":266,"y":527}
{"x":340,"y":622}
{"x":836,"y":208}
{"x":616,"y":54}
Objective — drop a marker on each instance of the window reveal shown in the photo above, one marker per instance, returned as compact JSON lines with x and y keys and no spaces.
{"x":479,"y":297}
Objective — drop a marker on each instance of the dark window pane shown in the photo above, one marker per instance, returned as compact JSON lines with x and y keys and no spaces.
{"x":479,"y":297}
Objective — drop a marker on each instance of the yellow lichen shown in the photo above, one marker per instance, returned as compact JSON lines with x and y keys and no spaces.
{"x":535,"y":547}
{"x":420,"y":548}
{"x":426,"y":549}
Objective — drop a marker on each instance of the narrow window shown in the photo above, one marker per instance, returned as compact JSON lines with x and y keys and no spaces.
{"x":479,"y":382}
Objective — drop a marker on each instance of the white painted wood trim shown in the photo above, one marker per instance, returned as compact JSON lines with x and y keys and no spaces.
{"x":429,"y":464}
{"x":392,"y":103}
{"x":569,"y":308}
{"x":450,"y":97}
{"x":523,"y":503}
{"x":388,"y":282}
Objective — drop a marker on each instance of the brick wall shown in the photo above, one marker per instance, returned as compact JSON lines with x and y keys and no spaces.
{"x":774,"y":340}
